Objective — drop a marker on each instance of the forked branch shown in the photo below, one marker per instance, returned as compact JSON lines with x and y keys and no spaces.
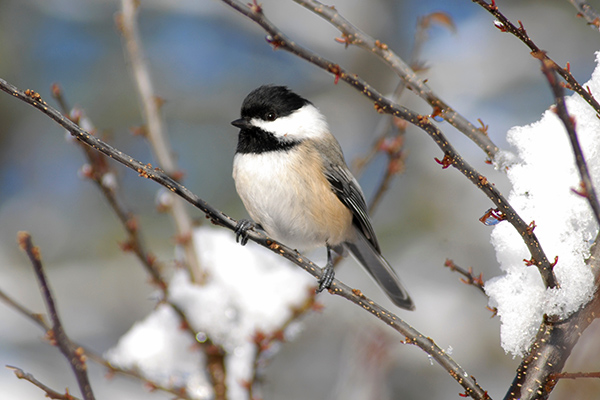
{"x":354,"y":36}
{"x":411,"y":335}
{"x":74,"y":355}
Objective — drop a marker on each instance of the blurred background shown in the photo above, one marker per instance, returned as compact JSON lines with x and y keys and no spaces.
{"x":205,"y":58}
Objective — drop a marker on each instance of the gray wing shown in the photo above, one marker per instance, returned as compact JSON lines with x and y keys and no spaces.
{"x":364,"y":247}
{"x":381,"y":271}
{"x":348,"y":191}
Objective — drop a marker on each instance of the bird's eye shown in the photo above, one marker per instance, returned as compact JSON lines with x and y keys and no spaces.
{"x":271,"y":116}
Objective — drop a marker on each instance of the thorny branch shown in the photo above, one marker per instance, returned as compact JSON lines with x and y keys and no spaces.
{"x":411,"y":335}
{"x":75,"y":355}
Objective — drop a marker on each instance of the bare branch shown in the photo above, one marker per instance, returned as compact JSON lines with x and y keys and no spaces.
{"x":588,"y":191}
{"x":393,"y":148}
{"x":74,"y":355}
{"x":520,"y":33}
{"x":50,"y":393}
{"x":356,"y":37}
{"x":99,"y":168}
{"x":36,"y":318}
{"x":264,"y":341}
{"x":470,"y":278}
{"x":156,"y":132}
{"x":92,"y":355}
{"x":575,"y":375}
{"x":586,"y":11}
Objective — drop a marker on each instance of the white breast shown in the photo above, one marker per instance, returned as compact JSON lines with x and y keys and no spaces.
{"x":293,"y":209}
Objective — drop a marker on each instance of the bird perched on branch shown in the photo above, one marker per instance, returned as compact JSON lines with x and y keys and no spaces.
{"x":290,"y":173}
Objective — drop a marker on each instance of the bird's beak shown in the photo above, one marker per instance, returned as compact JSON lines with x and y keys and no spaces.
{"x":241,"y":123}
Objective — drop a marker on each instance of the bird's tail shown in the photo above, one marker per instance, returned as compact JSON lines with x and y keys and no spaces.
{"x":380,"y":270}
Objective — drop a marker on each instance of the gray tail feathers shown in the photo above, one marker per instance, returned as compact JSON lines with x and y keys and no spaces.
{"x":380,"y":270}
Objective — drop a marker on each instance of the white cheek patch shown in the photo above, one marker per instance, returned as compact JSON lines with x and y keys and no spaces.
{"x":304,"y":123}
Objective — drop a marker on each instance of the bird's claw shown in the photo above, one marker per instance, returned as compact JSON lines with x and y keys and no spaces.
{"x":326,"y":278}
{"x":241,"y":231}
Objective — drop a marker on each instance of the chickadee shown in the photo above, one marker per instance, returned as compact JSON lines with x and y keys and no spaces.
{"x":290,"y":173}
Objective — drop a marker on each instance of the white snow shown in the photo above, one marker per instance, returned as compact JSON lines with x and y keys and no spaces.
{"x":542,"y":180}
{"x":249,"y":290}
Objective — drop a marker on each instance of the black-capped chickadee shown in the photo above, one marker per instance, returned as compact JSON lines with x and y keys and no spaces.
{"x":290,"y":173}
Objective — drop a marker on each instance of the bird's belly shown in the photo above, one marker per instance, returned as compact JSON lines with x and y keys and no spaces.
{"x":293,"y":209}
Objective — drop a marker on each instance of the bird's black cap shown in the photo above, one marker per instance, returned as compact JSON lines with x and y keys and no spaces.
{"x":269,"y":102}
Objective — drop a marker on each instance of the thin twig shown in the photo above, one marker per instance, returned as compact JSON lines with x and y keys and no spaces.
{"x":264,"y":341}
{"x":50,"y":393}
{"x":99,"y":169}
{"x":393,"y":145}
{"x":355,"y":36}
{"x":469,"y":278}
{"x":156,"y":132}
{"x":389,"y":134}
{"x":586,"y":11}
{"x":74,"y":355}
{"x":394,"y":149}
{"x":92,"y":355}
{"x":576,"y":375}
{"x":520,"y":33}
{"x":36,"y":318}
{"x":587,"y":187}
{"x":412,"y":336}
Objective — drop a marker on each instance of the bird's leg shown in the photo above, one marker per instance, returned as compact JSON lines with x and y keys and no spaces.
{"x":328,"y":272}
{"x":241,"y":230}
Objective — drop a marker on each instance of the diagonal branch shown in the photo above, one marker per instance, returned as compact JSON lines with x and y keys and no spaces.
{"x":74,"y":355}
{"x":338,"y":288}
{"x":587,"y":186}
{"x":97,"y":172}
{"x":469,"y":277}
{"x":586,"y":11}
{"x":50,"y":393}
{"x":520,"y":33}
{"x":355,"y":36}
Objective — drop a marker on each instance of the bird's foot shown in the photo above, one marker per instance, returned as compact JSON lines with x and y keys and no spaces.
{"x":241,"y":230}
{"x":326,"y":278}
